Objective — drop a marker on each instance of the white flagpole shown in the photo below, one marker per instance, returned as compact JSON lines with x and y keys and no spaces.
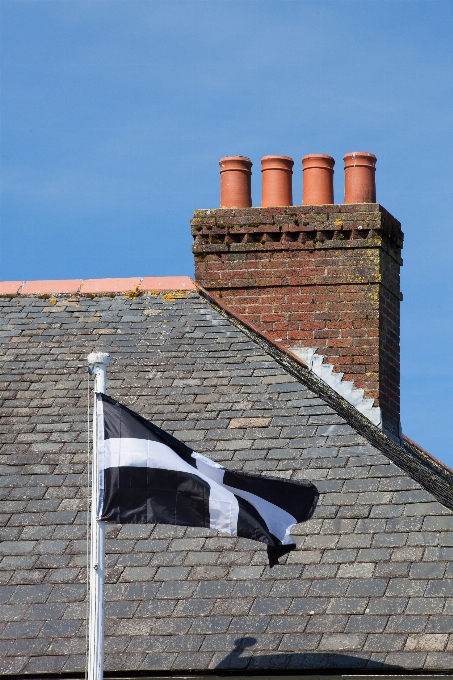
{"x":98,"y":362}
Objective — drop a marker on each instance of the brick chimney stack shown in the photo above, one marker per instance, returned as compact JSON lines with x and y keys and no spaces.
{"x":320,"y":280}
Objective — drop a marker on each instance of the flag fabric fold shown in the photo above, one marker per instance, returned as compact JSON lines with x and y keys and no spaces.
{"x":148,"y":476}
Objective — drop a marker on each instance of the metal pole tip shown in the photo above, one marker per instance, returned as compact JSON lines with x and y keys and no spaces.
{"x":99,"y":358}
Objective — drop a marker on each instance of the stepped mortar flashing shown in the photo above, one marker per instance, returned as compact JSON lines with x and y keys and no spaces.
{"x":344,"y":388}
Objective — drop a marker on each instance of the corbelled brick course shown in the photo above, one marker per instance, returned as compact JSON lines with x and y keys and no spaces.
{"x":324,"y":277}
{"x":370,"y":585}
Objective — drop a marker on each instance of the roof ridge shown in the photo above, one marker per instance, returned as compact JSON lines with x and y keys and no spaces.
{"x":95,"y":286}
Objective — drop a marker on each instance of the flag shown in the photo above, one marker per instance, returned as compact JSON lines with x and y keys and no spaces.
{"x":148,"y":476}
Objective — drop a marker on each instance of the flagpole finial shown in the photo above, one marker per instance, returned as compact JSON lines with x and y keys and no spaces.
{"x":99,"y":358}
{"x":98,"y":368}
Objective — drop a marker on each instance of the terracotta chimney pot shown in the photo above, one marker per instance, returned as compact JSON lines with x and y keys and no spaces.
{"x":318,"y":179}
{"x":360,"y":177}
{"x":235,"y":182}
{"x":277,"y":181}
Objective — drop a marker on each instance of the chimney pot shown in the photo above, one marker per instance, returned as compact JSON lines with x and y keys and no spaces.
{"x":318,"y":179}
{"x":235,"y":182}
{"x":360,"y":177}
{"x":277,"y":188}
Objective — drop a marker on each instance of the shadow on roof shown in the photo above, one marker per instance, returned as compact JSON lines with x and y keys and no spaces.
{"x":292,"y":661}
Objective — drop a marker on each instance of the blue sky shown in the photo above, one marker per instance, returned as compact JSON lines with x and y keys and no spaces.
{"x":116,"y":112}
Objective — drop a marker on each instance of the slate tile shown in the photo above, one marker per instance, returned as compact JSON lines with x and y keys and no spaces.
{"x":62,"y":628}
{"x":157,"y":608}
{"x":221,"y":660}
{"x":30,"y":594}
{"x":132,"y":574}
{"x":360,"y":587}
{"x":363,"y":570}
{"x":184,"y":643}
{"x":423,"y":538}
{"x":385,"y":642}
{"x":389,"y":569}
{"x":45,"y":612}
{"x":75,"y":662}
{"x":319,"y":571}
{"x":328,"y":587}
{"x":45,"y":664}
{"x":193,"y":660}
{"x":406,"y":659}
{"x":245,"y":573}
{"x":212,"y":589}
{"x":211,"y":624}
{"x":176,"y":589}
{"x":271,"y":605}
{"x":22,"y":629}
{"x":68,"y":593}
{"x":426,"y":643}
{"x":425,"y":605}
{"x":347,"y":605}
{"x":430,"y":570}
{"x":122,"y":609}
{"x":341,"y":641}
{"x":407,"y":554}
{"x":29,"y":647}
{"x":406,"y":624}
{"x":440,"y":624}
{"x":233,"y":607}
{"x":13,"y":665}
{"x":322,"y":622}
{"x":67,"y":645}
{"x":355,"y":541}
{"x":340,"y":556}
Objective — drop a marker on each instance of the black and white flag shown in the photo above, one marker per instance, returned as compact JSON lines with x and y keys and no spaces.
{"x":148,"y":476}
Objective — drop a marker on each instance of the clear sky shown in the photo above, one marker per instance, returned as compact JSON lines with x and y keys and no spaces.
{"x":116,"y":112}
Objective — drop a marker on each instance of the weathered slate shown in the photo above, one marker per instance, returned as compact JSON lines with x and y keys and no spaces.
{"x":370,"y":585}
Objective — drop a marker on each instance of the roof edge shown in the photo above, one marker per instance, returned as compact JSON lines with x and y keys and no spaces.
{"x":423,"y":468}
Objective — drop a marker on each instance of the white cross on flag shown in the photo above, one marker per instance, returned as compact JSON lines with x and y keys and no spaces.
{"x":148,"y":476}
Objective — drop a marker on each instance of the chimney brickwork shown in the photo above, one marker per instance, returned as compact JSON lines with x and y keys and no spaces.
{"x":320,"y":277}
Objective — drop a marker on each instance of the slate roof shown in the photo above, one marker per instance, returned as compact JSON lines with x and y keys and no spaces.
{"x":370,"y":585}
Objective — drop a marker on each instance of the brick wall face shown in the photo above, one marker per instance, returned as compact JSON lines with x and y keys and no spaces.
{"x":323,"y":277}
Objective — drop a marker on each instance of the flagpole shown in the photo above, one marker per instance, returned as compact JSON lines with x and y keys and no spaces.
{"x":98,"y":363}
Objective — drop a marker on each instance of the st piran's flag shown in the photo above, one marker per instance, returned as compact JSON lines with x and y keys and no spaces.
{"x":148,"y":476}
